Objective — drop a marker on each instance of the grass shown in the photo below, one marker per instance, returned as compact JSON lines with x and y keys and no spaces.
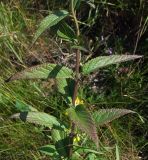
{"x":19,"y":140}
{"x":116,"y":87}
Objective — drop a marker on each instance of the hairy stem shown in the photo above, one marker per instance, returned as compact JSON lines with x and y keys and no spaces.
{"x":77,"y":66}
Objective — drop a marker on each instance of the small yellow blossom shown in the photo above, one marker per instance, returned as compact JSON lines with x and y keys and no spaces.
{"x":66,"y":113}
{"x":78,"y":101}
{"x":77,"y":138}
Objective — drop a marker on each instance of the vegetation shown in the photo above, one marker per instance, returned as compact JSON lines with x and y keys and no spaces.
{"x":76,"y":85}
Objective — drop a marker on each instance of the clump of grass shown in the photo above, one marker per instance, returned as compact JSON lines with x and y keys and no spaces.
{"x":18,"y":141}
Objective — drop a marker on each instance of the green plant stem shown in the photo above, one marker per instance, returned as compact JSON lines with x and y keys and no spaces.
{"x":75,"y":18}
{"x":75,"y":92}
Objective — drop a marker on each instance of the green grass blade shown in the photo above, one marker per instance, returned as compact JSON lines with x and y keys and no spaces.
{"x":117,"y":153}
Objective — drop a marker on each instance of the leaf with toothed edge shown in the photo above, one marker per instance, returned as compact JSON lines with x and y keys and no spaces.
{"x":104,"y":116}
{"x":49,"y":21}
{"x":43,"y":71}
{"x":83,"y":119}
{"x":39,"y":118}
{"x":103,"y":61}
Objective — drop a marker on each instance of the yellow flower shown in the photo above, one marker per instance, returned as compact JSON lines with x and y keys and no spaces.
{"x":66,"y":113}
{"x":77,"y":138}
{"x":78,"y":101}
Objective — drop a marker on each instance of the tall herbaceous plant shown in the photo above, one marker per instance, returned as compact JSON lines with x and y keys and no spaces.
{"x":65,"y":137}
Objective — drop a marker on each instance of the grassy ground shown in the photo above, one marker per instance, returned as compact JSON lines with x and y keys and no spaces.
{"x":123,"y":86}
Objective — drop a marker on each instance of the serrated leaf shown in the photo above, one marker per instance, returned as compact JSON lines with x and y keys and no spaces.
{"x":104,"y":116}
{"x":39,"y":118}
{"x":50,"y":21}
{"x":66,"y":32}
{"x":43,"y":71}
{"x":83,"y":119}
{"x":103,"y":61}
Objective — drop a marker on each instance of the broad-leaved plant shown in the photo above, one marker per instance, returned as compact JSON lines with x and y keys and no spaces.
{"x":67,"y":81}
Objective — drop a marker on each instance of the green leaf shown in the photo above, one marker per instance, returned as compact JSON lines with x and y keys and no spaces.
{"x":43,"y":71}
{"x":39,"y":118}
{"x":57,"y":134}
{"x":76,"y":156}
{"x":50,"y":21}
{"x":82,"y":150}
{"x":48,"y":150}
{"x":82,"y":118}
{"x":61,"y":142}
{"x":104,"y":116}
{"x":91,"y":156}
{"x":76,"y":3}
{"x":23,"y":107}
{"x":66,"y":32}
{"x":81,"y":48}
{"x":103,"y":61}
{"x":66,"y":87}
